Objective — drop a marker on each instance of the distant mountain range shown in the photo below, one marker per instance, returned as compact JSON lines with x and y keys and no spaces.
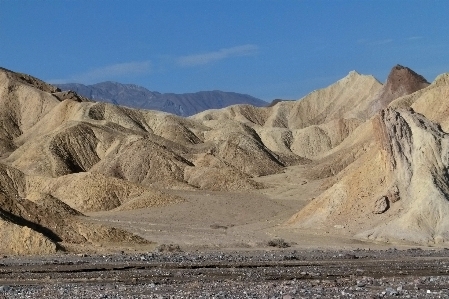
{"x":135,"y":96}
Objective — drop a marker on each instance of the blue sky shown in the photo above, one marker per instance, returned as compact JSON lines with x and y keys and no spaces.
{"x":268,"y":49}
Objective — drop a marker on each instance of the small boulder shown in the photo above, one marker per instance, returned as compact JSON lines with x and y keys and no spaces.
{"x":381,"y":205}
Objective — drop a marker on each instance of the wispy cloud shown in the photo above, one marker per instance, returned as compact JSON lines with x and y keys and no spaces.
{"x":108,"y":72}
{"x":210,"y":57}
{"x":414,"y":37}
{"x":362,"y":41}
{"x":381,"y":42}
{"x":370,"y":42}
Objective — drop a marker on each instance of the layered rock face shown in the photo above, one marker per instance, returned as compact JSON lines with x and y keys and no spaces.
{"x":397,"y":191}
{"x":416,"y":151}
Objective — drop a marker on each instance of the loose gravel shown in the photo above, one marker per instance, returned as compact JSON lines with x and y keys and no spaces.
{"x":284,"y":274}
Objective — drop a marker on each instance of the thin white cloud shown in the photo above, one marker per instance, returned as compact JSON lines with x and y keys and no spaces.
{"x":381,"y":42}
{"x":362,"y":41}
{"x":210,"y":57}
{"x":108,"y":72}
{"x":370,"y":42}
{"x":414,"y":37}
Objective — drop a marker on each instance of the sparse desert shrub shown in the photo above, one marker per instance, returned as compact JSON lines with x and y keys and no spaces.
{"x":279,"y":243}
{"x":218,"y":226}
{"x":290,"y":256}
{"x":168,"y":248}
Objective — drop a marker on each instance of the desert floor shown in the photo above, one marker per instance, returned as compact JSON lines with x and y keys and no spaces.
{"x":210,"y":220}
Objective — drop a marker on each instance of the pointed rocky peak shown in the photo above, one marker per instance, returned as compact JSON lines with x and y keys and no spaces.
{"x":350,"y":76}
{"x":354,"y":76}
{"x":400,"y":82}
{"x":404,"y":80}
{"x":353,"y":73}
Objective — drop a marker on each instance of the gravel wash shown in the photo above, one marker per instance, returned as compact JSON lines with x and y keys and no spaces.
{"x":284,"y":274}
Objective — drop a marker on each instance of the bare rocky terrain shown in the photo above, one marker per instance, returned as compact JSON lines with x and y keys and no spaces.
{"x":411,"y":273}
{"x":303,"y":199}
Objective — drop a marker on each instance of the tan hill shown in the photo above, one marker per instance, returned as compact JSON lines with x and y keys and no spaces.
{"x":24,"y":100}
{"x":90,"y":192}
{"x":320,"y":106}
{"x":310,"y":126}
{"x":45,"y":224}
{"x":64,"y":157}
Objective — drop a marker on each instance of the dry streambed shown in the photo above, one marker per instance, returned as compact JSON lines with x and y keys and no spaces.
{"x":412,"y":273}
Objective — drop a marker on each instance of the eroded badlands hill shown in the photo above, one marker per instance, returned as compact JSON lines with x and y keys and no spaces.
{"x":380,"y":149}
{"x":397,"y":190}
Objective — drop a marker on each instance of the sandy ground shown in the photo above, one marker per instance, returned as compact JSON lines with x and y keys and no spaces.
{"x":236,"y":220}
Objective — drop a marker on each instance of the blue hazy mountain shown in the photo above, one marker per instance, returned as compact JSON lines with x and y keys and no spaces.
{"x":135,"y":96}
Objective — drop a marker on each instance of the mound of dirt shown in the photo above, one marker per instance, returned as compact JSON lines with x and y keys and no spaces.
{"x":52,"y":203}
{"x":211,"y":173}
{"x":144,"y":162}
{"x":22,"y":240}
{"x":46,"y":222}
{"x":90,"y":192}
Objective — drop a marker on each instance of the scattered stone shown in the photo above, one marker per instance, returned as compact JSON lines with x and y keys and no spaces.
{"x":381,"y":205}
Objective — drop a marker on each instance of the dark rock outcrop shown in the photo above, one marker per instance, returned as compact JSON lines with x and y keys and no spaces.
{"x":400,"y":82}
